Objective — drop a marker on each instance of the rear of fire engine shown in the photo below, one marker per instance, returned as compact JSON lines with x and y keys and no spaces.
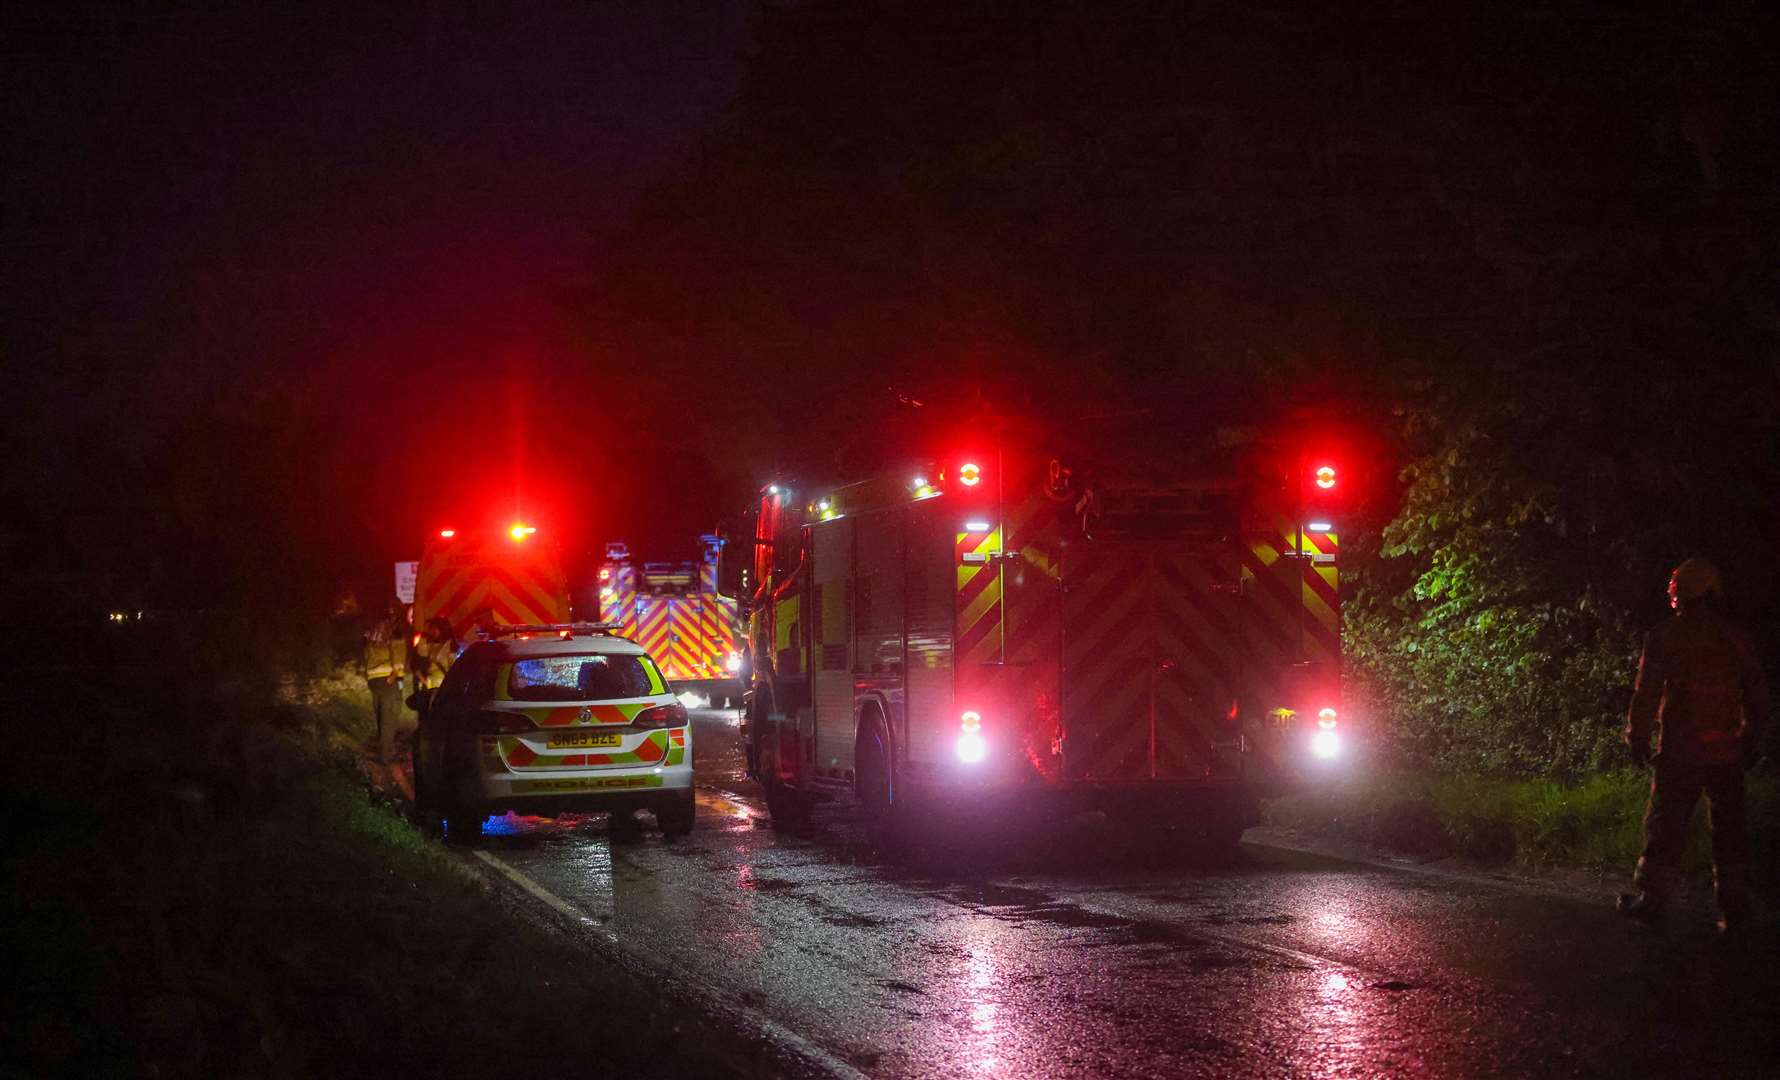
{"x":474,"y":579}
{"x":1022,"y":620}
{"x":674,"y":610}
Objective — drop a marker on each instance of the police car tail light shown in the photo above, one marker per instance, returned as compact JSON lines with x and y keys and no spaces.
{"x":501,"y":722}
{"x":661,"y":716}
{"x":971,"y":747}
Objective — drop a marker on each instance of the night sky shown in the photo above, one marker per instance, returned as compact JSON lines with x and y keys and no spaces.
{"x":378,"y":214}
{"x":293,"y":289}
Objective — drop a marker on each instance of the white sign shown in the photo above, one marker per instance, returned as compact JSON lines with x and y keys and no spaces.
{"x":406,"y":572}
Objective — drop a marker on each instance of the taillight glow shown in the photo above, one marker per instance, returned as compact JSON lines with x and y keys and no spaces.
{"x":605,"y":574}
{"x":661,"y":716}
{"x":520,"y":530}
{"x":447,"y":533}
{"x":1325,"y":719}
{"x":970,"y":474}
{"x":1325,"y":476}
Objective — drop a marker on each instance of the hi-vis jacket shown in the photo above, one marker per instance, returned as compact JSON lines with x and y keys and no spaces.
{"x":386,"y":651}
{"x":1700,"y":680}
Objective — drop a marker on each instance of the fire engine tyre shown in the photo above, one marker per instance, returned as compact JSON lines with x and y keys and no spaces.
{"x":876,"y":786}
{"x":678,"y":817}
{"x":788,"y":807}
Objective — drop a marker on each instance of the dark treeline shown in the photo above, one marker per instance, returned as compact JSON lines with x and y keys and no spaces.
{"x":1534,"y":248}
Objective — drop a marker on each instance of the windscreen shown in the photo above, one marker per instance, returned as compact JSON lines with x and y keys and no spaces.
{"x":588,"y":677}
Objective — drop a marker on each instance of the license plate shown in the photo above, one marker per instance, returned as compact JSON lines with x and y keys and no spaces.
{"x":563,"y":740}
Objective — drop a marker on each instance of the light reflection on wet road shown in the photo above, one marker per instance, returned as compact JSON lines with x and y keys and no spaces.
{"x":1088,"y":954}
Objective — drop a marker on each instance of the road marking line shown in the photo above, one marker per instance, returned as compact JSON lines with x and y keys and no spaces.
{"x":538,"y":892}
{"x":812,"y":1051}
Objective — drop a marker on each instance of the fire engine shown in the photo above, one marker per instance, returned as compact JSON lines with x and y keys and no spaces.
{"x":674,"y":610}
{"x":477,"y":580}
{"x":1031,"y":613}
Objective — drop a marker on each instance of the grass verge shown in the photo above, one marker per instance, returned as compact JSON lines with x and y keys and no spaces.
{"x":1592,"y":824}
{"x":196,"y":903}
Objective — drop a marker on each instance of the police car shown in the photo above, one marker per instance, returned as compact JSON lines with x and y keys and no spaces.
{"x":549,"y":719}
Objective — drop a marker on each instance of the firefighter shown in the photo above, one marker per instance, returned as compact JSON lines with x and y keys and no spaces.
{"x":386,"y":663}
{"x":432,"y":657}
{"x":1701,"y":689}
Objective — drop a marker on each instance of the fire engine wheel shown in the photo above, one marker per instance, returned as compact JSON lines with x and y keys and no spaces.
{"x":788,"y":807}
{"x":877,"y":786}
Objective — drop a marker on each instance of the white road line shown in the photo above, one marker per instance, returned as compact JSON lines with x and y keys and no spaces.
{"x":537,"y":891}
{"x":802,"y":1046}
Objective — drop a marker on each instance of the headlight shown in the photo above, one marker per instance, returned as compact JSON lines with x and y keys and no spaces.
{"x":1325,"y":744}
{"x":971,"y":747}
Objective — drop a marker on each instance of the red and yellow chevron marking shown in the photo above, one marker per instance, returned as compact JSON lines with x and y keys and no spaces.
{"x":652,"y":629}
{"x":618,"y":598}
{"x":1106,"y":662}
{"x":977,"y":637}
{"x":518,"y":754}
{"x":516,"y":590}
{"x":1199,"y":654}
{"x":689,"y":636}
{"x":1298,"y":597}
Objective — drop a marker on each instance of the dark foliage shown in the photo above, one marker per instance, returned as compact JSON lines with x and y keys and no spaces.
{"x":1543,"y":237}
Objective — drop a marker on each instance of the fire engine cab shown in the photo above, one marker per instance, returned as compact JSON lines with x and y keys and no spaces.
{"x":1037,"y":614}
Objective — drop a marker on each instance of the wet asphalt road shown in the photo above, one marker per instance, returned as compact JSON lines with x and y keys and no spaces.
{"x":1087,"y":953}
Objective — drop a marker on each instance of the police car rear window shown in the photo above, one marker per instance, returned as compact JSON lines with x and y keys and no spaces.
{"x":579,"y":678}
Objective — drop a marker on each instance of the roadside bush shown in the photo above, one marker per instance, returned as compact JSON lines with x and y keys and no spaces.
{"x":1595,"y":823}
{"x":1494,"y":623}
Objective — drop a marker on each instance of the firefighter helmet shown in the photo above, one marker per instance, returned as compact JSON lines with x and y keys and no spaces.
{"x":1693,"y":579}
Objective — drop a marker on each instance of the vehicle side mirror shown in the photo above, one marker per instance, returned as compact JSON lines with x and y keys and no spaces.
{"x":420,"y":700}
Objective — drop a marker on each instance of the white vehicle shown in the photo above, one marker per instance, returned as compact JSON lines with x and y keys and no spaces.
{"x":552,"y":718}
